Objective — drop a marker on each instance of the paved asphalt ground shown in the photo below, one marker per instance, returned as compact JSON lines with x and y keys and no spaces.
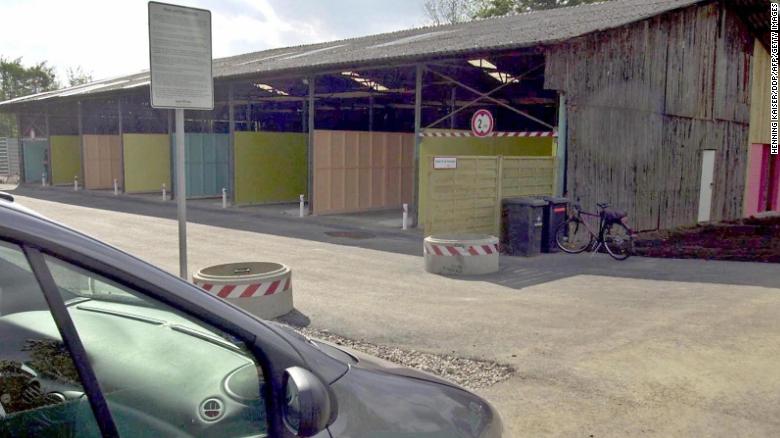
{"x":646,"y":347}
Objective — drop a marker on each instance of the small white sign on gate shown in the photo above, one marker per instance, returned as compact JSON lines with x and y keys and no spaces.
{"x":445,"y":162}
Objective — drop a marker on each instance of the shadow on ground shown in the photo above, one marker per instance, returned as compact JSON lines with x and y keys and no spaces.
{"x":516,"y":272}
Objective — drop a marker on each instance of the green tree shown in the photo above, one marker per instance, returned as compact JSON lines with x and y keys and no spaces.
{"x":77,"y":76}
{"x":497,"y":8}
{"x":16,"y":80}
{"x":449,"y":11}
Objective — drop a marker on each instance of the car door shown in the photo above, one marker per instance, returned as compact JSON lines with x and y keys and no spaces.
{"x":42,"y":393}
{"x":155,"y":370}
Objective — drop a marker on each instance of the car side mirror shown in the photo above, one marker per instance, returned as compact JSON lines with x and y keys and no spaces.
{"x":307,"y":404}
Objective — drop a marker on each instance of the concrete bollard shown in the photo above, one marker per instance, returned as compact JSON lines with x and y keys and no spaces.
{"x":465,"y":254}
{"x":263,"y":289}
{"x":164,"y":193}
{"x":116,"y":187}
{"x":75,"y":183}
{"x":224,"y":197}
{"x":301,"y":206}
{"x":405,"y":216}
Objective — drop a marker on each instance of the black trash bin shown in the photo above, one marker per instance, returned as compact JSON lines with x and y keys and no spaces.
{"x":554,"y":215}
{"x":522,"y":226}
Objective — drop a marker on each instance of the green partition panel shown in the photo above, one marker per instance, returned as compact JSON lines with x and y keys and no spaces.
{"x":472,"y":146}
{"x":147,"y":162}
{"x":35,"y":156}
{"x":65,"y":158}
{"x":207,"y":158}
{"x":269,"y":167}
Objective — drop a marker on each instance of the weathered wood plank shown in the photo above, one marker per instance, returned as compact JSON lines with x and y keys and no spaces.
{"x":644,"y":101}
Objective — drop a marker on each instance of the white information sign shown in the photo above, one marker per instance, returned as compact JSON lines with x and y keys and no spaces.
{"x":180,"y":57}
{"x":445,"y":162}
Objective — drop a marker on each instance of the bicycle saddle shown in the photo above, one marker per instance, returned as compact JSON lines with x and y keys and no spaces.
{"x":602,"y":204}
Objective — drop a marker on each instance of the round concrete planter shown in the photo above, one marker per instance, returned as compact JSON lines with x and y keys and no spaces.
{"x":465,"y":254}
{"x":261,"y":288}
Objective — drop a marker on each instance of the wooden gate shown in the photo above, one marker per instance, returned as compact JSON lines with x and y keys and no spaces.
{"x":361,"y":171}
{"x":467,"y":198}
{"x":102,"y":161}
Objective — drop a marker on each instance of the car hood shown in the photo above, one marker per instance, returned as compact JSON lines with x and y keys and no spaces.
{"x":377,"y":398}
{"x":386,"y":403}
{"x":369,"y":362}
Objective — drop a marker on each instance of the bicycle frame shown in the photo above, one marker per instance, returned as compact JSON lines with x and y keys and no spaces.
{"x":602,"y":228}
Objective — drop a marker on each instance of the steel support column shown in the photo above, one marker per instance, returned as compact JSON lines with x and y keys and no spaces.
{"x":121,"y":131}
{"x":81,"y":143}
{"x":231,"y":145}
{"x":560,"y":151}
{"x":371,"y":112}
{"x":417,"y":131}
{"x":48,"y":138}
{"x":310,"y":156}
{"x":19,"y":137}
{"x":452,"y":107}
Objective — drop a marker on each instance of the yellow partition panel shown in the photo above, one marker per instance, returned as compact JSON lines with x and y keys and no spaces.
{"x":65,"y":158}
{"x":270,"y":167}
{"x":507,"y":146}
{"x":482,"y":147}
{"x":468,"y":197}
{"x":147,"y":162}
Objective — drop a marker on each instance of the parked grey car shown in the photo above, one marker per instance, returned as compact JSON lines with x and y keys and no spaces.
{"x":95,"y":342}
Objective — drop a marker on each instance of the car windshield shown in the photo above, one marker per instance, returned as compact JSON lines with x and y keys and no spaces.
{"x":81,"y":286}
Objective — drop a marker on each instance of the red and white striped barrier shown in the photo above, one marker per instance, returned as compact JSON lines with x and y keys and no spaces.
{"x":450,"y":250}
{"x":493,"y":134}
{"x":247,"y":290}
{"x":263,"y":289}
{"x":468,"y":254}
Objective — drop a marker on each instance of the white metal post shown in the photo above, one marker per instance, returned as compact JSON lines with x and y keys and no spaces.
{"x":116,"y":187}
{"x":75,"y":183}
{"x":404,"y":217}
{"x":43,"y":179}
{"x":224,"y":197}
{"x":181,"y":202}
{"x":164,"y":193}
{"x":301,"y":206}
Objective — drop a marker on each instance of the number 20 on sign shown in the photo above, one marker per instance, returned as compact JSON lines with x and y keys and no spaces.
{"x":482,"y":123}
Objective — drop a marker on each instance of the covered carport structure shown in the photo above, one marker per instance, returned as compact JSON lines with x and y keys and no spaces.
{"x":351,"y":124}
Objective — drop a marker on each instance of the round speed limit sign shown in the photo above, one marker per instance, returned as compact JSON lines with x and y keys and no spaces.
{"x":482,"y":123}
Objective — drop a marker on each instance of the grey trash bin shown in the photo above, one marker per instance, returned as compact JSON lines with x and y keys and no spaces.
{"x":522,"y":225}
{"x":554,"y":215}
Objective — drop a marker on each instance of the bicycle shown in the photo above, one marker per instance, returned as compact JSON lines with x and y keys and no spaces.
{"x":575,"y":235}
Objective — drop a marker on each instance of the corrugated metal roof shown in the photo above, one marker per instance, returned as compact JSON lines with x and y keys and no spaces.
{"x":503,"y":33}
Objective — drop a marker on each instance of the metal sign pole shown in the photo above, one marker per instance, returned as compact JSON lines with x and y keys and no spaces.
{"x":181,"y":78}
{"x":181,"y":197}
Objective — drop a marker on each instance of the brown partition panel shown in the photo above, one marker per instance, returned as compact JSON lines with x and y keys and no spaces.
{"x":102,"y":161}
{"x":358,"y":171}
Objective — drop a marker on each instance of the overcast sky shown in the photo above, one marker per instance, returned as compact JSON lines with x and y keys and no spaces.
{"x":109,"y":37}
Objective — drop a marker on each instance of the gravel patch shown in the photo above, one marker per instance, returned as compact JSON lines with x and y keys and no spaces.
{"x":466,"y":372}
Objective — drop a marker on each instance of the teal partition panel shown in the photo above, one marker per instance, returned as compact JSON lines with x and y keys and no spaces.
{"x":207,"y":158}
{"x":36,"y":153}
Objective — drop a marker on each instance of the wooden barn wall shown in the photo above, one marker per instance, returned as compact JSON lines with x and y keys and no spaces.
{"x":759,"y":109}
{"x":644,"y":100}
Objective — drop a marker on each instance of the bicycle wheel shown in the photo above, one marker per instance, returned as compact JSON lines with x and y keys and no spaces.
{"x":618,"y":241}
{"x":573,"y":236}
